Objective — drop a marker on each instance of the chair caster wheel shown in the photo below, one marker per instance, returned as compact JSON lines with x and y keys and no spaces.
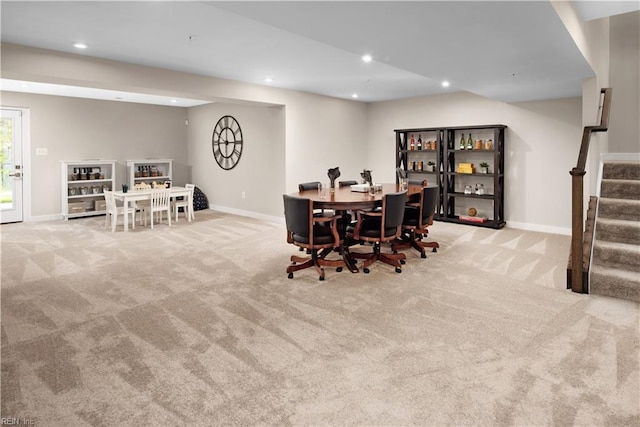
{"x":398,"y":270}
{"x":423,"y":255}
{"x":339,"y":269}
{"x":365,"y":270}
{"x":434,"y":250}
{"x":321,"y":278}
{"x":403,"y":262}
{"x":290,"y":276}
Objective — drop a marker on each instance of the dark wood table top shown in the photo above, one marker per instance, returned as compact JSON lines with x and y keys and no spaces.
{"x":345,"y":199}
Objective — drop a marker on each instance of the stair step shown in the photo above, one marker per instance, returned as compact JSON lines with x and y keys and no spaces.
{"x":618,"y":230}
{"x":621,"y":170}
{"x":620,"y":189}
{"x":619,"y":209}
{"x":616,"y":255}
{"x":615,"y":283}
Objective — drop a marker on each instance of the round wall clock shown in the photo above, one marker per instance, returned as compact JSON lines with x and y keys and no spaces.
{"x":227,"y":142}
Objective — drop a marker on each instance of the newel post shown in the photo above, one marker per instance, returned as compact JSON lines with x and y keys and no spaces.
{"x":577,"y":231}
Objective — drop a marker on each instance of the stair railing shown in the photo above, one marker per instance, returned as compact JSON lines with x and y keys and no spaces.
{"x":578,"y":276}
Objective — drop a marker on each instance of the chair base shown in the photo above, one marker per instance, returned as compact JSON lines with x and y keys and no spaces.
{"x":394,"y":260}
{"x":316,"y":260}
{"x":414,"y":240}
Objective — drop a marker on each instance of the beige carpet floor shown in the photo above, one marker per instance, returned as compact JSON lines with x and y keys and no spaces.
{"x":197,"y":324}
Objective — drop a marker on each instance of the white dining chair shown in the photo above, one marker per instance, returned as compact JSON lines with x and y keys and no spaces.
{"x":186,"y":204}
{"x":113,"y":210}
{"x":160,"y":202}
{"x":141,"y":205}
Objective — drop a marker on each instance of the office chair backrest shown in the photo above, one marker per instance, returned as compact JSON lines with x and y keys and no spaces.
{"x":296,"y":214}
{"x":394,"y":209}
{"x":429,"y":202}
{"x":308,"y":186}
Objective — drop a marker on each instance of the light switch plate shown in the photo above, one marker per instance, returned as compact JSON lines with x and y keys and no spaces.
{"x":42,"y":151}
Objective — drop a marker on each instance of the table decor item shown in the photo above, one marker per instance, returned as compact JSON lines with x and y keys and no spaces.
{"x":333,"y":174}
{"x":366,"y":176}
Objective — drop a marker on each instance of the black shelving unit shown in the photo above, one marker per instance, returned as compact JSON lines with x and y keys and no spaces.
{"x":454,"y":203}
{"x":407,"y":159}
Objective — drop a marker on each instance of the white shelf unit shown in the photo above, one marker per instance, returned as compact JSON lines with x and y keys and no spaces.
{"x":83,"y":183}
{"x":148,"y":170}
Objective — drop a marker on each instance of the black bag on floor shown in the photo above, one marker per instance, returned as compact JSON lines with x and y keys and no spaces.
{"x":200,"y":201}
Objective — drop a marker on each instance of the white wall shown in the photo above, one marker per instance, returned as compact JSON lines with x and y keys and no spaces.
{"x":320,"y":132}
{"x":76,"y":129}
{"x":542,"y":142}
{"x":260,"y":173}
{"x":624,"y":129}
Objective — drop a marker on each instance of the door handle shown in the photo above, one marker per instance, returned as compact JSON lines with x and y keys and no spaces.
{"x":17,"y":174}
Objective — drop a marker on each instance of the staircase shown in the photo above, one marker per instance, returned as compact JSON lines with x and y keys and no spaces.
{"x":615,"y":268}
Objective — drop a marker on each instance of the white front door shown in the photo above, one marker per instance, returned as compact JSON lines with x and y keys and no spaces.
{"x":11,"y":182}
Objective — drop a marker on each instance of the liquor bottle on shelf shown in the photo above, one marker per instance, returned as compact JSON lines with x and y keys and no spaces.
{"x":470,"y":143}
{"x":412,"y":144}
{"x":419,"y":142}
{"x":462,"y":142}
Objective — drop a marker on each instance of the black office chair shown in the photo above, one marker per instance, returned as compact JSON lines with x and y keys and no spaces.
{"x":379,"y":227}
{"x":347,"y":183}
{"x":313,"y":185}
{"x":312,"y":233}
{"x":418,"y":216}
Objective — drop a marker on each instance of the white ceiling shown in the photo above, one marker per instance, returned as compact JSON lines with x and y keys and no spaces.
{"x":506,"y":50}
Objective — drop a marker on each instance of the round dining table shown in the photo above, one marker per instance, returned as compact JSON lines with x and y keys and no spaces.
{"x":343,"y":199}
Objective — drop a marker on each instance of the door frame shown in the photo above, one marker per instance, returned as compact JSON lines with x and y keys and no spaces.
{"x":26,"y":159}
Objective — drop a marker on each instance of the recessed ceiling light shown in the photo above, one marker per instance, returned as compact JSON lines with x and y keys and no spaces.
{"x":355,"y":95}
{"x":80,"y":45}
{"x":268,"y":79}
{"x":367,"y":58}
{"x":173,"y":101}
{"x":24,"y":85}
{"x":445,"y":83}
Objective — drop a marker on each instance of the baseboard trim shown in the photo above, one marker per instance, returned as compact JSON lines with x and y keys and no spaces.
{"x":256,"y":215}
{"x":41,"y":218}
{"x":565,"y":231}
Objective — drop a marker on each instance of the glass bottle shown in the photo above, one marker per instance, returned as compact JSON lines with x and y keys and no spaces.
{"x":419,"y":142}
{"x":470,"y":143}
{"x":462,"y":142}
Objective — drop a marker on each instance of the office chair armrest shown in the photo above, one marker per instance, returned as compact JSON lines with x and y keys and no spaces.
{"x":334,"y":226}
{"x":326,"y":218}
{"x":367,"y":213}
{"x":360,"y":214}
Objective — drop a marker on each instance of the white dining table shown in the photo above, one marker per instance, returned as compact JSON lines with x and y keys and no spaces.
{"x":130,"y":197}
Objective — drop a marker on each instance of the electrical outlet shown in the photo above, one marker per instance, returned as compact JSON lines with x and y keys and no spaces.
{"x":42,"y":151}
{"x":244,"y":195}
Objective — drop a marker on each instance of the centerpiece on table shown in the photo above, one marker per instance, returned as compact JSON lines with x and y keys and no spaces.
{"x":333,"y":174}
